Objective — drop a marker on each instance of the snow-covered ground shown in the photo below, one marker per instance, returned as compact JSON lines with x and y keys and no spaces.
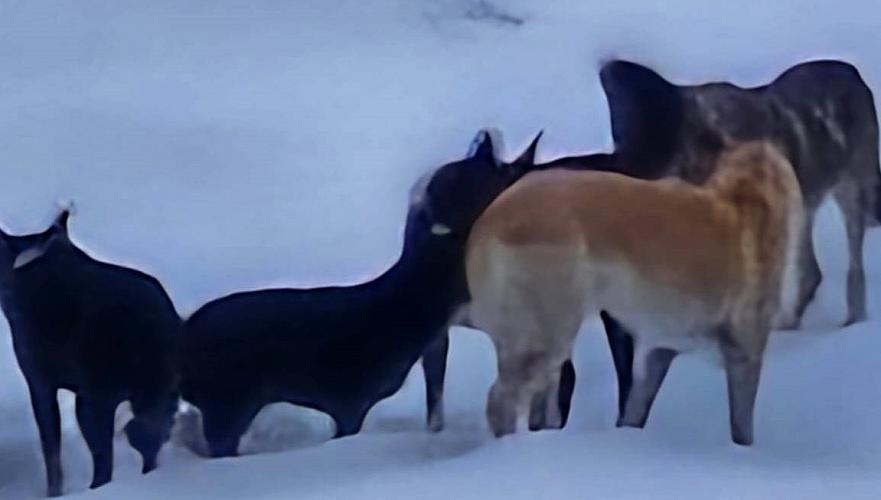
{"x":233,"y":145}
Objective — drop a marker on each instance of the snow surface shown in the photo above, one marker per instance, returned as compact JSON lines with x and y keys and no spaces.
{"x":230,"y":145}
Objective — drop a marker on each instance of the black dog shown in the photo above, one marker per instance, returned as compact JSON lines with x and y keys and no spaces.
{"x":105,"y":332}
{"x":340,"y":350}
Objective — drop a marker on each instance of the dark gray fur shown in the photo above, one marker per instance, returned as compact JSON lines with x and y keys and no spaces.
{"x":821,"y":114}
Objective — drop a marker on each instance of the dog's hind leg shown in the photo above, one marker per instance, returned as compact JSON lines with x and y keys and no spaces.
{"x":501,"y":407}
{"x":224,"y":424}
{"x":95,"y":415}
{"x":509,"y":395}
{"x":849,"y":197}
{"x":521,"y":379}
{"x":546,"y":411}
{"x":45,"y":406}
{"x":529,"y":378}
{"x":538,"y":411}
{"x":651,"y":371}
{"x":553,"y":415}
{"x":349,"y":421}
{"x":567,"y":387}
{"x":434,"y":368}
{"x":621,"y":346}
{"x":550,"y":407}
{"x":809,"y":275}
{"x":743,"y":365}
{"x":743,"y":383}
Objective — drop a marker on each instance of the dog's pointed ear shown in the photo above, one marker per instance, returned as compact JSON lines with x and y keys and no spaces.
{"x":645,"y":109}
{"x":526,"y":160}
{"x":482,"y":147}
{"x":60,"y":223}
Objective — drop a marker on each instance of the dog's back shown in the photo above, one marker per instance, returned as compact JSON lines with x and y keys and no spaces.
{"x":820,"y":113}
{"x":668,"y":236}
{"x":87,"y":322}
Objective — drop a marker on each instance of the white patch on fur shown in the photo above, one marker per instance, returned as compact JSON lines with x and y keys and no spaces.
{"x":66,"y":204}
{"x":640,"y":355}
{"x":828,"y":118}
{"x":439,"y":229}
{"x":417,"y":192}
{"x":797,"y":124}
{"x":498,"y":141}
{"x":476,"y":142}
{"x":123,"y":414}
{"x":28,"y":256}
{"x":836,"y":132}
{"x":494,"y":134}
{"x":713,"y":117}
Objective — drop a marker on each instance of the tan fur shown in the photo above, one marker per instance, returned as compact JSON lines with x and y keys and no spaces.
{"x":680,"y":265}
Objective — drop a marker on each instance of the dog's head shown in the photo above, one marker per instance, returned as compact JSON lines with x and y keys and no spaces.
{"x":647,"y":114}
{"x":449,"y":200}
{"x":662,"y":129}
{"x":18,"y":251}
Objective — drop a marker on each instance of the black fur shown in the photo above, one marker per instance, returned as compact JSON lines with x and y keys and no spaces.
{"x":339,"y":350}
{"x":105,"y":332}
{"x":646,"y":114}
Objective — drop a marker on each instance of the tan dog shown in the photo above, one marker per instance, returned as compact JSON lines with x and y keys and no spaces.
{"x":679,"y":264}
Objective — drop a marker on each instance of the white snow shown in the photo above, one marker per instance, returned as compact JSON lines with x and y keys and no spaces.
{"x":230,"y":145}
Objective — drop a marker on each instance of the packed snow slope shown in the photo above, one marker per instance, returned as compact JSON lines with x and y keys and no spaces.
{"x":227,"y":145}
